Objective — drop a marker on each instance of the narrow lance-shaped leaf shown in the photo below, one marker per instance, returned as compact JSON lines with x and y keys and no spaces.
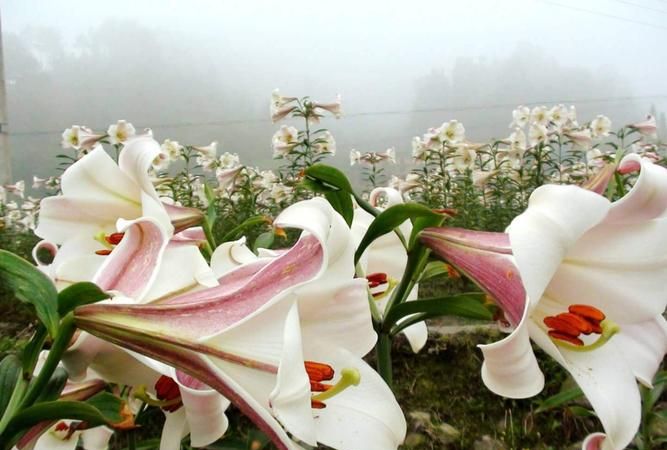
{"x":391,"y":218}
{"x":10,"y":371}
{"x":31,"y":286}
{"x":102,"y":409}
{"x":237,"y":231}
{"x":469,"y":305}
{"x":79,"y":294}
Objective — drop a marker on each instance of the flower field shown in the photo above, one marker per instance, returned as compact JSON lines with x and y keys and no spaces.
{"x":167,"y":295}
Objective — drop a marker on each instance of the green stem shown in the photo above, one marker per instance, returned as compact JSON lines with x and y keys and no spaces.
{"x":417,"y":259}
{"x":210,"y":239}
{"x":383,"y":350}
{"x":131,"y":440}
{"x":60,"y":344}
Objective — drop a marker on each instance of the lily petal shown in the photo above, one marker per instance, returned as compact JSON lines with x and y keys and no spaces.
{"x":643,"y":345}
{"x":510,"y":368}
{"x":557,"y":216}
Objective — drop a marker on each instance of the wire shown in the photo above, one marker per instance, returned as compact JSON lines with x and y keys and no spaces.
{"x":640,"y":6}
{"x":375,"y":113}
{"x":603,"y":14}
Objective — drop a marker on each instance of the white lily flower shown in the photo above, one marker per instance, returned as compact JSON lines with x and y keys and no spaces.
{"x":172,"y":149}
{"x":120,"y":132}
{"x":464,"y":158}
{"x":580,"y":138}
{"x":418,"y":149}
{"x":209,"y":151}
{"x":585,"y":280}
{"x":558,"y":116}
{"x":271,"y":335}
{"x":452,"y":132}
{"x":284,"y":140}
{"x":540,"y":116}
{"x":537,"y":134}
{"x":518,"y":139}
{"x":647,"y":127}
{"x":600,"y":126}
{"x":355,"y":157}
{"x":520,"y":117}
{"x":334,"y":108}
{"x":17,"y":188}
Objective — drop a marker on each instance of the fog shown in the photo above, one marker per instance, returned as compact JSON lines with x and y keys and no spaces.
{"x":197,"y":71}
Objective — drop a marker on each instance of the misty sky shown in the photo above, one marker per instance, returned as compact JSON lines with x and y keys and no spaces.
{"x":201,"y":70}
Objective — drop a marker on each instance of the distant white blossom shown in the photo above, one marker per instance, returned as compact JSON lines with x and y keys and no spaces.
{"x":284,"y":140}
{"x":120,"y":132}
{"x":600,"y":126}
{"x":520,"y":117}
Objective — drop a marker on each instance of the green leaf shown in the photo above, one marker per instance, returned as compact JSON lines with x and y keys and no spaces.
{"x":10,"y":371}
{"x":559,"y":399}
{"x":31,"y":351}
{"x":421,"y":222}
{"x":102,"y":409}
{"x":341,"y":202}
{"x":469,"y":305}
{"x":79,"y":294}
{"x":391,"y":218}
{"x":580,"y":411}
{"x":264,"y":240}
{"x":54,"y":387}
{"x":31,"y":286}
{"x":324,"y":177}
{"x":236,"y":232}
{"x":433,"y":269}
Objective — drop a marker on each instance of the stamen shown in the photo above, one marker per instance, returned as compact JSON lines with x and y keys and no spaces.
{"x":316,"y":386}
{"x":576,"y":321}
{"x":102,"y":239}
{"x":588,"y":312}
{"x":561,"y":326}
{"x":114,"y":238}
{"x":316,"y":404}
{"x":349,"y":377}
{"x":167,"y":390}
{"x":319,"y":371}
{"x":566,"y":337}
{"x":377,"y":277}
{"x":104,"y":252}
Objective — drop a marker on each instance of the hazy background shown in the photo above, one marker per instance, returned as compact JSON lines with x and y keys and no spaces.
{"x":203,"y":70}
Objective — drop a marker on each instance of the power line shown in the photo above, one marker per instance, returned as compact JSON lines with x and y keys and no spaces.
{"x":376,"y":113}
{"x":603,"y":14}
{"x":636,"y":5}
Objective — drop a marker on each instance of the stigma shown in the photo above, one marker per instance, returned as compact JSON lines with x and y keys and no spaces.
{"x":319,"y":372}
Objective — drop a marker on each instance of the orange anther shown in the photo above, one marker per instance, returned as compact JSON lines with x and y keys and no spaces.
{"x":166,"y":389}
{"x":588,"y":312}
{"x":114,"y":238}
{"x":319,"y":371}
{"x":576,"y":321}
{"x":316,"y":404}
{"x":316,"y":386}
{"x":104,"y":252}
{"x":61,"y":426}
{"x":561,"y":326}
{"x":566,"y":337}
{"x":377,"y":277}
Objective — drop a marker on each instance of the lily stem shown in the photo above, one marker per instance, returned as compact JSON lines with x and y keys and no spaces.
{"x":60,"y":343}
{"x":383,"y":350}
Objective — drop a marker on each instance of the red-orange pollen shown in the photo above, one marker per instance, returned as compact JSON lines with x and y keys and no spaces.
{"x":318,"y":372}
{"x":580,"y":319}
{"x":167,"y":390}
{"x":112,"y":240}
{"x":61,"y":426}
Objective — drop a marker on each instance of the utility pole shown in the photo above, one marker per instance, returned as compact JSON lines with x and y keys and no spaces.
{"x":5,"y":154}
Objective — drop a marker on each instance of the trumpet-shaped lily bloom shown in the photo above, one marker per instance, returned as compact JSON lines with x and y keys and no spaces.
{"x":281,"y":337}
{"x":585,"y":279}
{"x":97,"y":192}
{"x":387,"y":256}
